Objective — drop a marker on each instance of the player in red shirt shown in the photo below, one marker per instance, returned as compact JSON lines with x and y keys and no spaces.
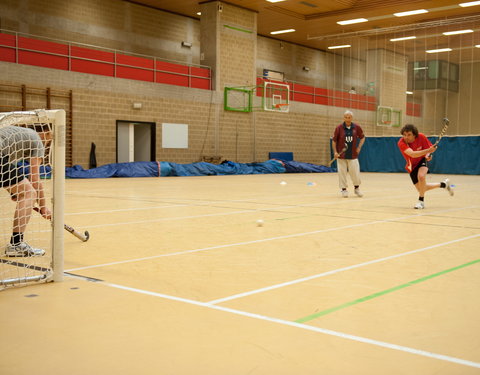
{"x":417,"y":150}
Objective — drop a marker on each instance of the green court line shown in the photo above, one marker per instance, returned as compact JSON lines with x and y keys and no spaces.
{"x":382,"y":293}
{"x":238,"y":29}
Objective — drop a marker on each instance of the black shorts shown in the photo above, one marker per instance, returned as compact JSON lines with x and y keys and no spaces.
{"x":10,"y":174}
{"x":414,"y":173}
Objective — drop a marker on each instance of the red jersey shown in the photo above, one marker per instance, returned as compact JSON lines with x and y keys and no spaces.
{"x":420,"y":143}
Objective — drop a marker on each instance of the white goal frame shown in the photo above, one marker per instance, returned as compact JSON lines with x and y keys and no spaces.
{"x":57,"y":120}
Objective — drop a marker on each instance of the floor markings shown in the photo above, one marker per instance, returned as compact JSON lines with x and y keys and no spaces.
{"x":382,"y":293}
{"x":338,"y":270}
{"x":329,"y":332}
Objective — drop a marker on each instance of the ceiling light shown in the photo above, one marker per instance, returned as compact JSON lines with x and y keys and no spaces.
{"x":470,"y":4}
{"x":282,"y":31}
{"x":274,"y":1}
{"x":478,"y":46}
{"x":349,"y":22}
{"x":404,"y":38}
{"x":337,"y":47}
{"x":409,"y":92}
{"x":410,"y":13}
{"x":199,"y":13}
{"x":458,"y":32}
{"x":439,"y":50}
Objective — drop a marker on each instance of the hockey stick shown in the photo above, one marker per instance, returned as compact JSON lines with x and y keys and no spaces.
{"x":446,"y":122}
{"x":341,"y":152}
{"x":81,"y":236}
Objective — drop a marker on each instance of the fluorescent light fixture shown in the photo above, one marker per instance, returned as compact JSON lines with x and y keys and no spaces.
{"x":342,"y":46}
{"x":282,"y":31}
{"x":421,"y":68}
{"x":349,"y":22}
{"x":457,"y":32}
{"x":403,"y":38}
{"x":199,"y":13}
{"x":470,"y":4}
{"x":409,"y":92}
{"x":478,"y":46}
{"x":439,"y":50}
{"x":410,"y":13}
{"x":275,"y":1}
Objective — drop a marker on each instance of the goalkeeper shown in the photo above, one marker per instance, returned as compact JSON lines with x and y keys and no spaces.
{"x":17,"y":143}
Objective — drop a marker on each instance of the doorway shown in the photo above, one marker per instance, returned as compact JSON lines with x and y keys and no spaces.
{"x":136,"y":141}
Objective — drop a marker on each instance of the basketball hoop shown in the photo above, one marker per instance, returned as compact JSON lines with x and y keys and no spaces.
{"x":282,"y":107}
{"x":275,"y":97}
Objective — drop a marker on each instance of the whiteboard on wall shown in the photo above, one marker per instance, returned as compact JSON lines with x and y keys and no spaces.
{"x":174,"y":135}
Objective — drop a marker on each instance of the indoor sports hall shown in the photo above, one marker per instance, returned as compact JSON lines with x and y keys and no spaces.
{"x":197,"y":224}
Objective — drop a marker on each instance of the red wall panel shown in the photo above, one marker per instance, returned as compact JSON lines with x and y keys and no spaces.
{"x":200,"y":72}
{"x":7,"y":40}
{"x":303,"y":93}
{"x":170,"y":67}
{"x":7,"y":54}
{"x":43,"y":60}
{"x":321,"y":96}
{"x":85,"y":60}
{"x":135,"y":61}
{"x":42,"y":46}
{"x":413,"y":109}
{"x":135,"y":73}
{"x":92,"y":67}
{"x":200,"y":83}
{"x":171,"y":79}
{"x":92,"y":54}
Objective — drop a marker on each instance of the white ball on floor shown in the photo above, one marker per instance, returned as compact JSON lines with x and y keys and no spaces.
{"x":283,"y":183}
{"x":260,"y":223}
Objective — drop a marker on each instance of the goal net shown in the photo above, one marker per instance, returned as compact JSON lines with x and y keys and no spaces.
{"x":32,"y":174}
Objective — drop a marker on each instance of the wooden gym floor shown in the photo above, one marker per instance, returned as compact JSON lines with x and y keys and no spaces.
{"x":178,"y":279}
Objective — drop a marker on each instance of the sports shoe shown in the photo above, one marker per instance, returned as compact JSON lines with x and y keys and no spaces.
{"x":448,"y":187}
{"x":23,"y":249}
{"x":344,"y":193}
{"x":358,"y":193}
{"x":419,"y":205}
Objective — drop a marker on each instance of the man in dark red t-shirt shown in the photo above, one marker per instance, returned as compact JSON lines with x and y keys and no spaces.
{"x":347,"y":142}
{"x":417,"y":150}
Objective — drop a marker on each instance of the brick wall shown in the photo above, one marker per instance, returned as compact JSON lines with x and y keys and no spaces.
{"x":98,"y":102}
{"x":108,"y":23}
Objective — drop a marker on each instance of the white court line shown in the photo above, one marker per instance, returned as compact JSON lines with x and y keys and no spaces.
{"x":201,"y":203}
{"x":329,"y":332}
{"x":170,"y":219}
{"x":209,"y":203}
{"x":183,"y":252}
{"x":338,"y":270}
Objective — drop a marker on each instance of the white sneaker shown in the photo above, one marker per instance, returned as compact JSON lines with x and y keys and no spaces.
{"x":344,"y":193}
{"x":23,"y":249}
{"x":419,"y":205}
{"x":358,"y":193}
{"x":448,"y":187}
